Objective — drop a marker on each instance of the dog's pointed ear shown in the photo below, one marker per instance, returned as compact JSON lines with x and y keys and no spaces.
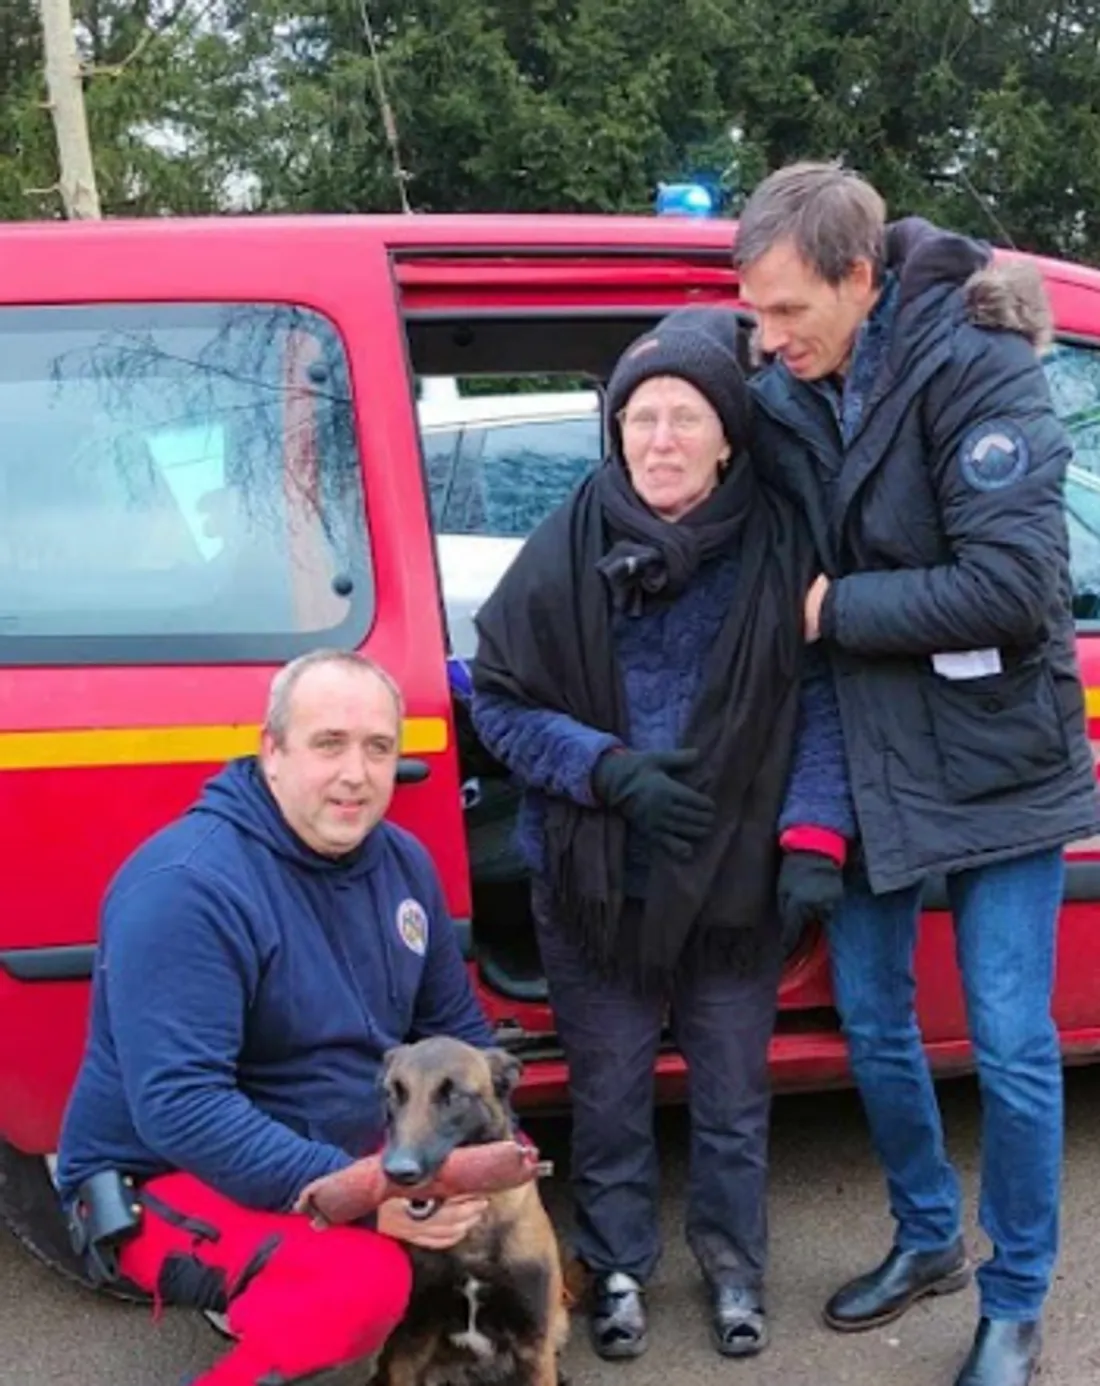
{"x":506,"y":1070}
{"x":387,"y":1060}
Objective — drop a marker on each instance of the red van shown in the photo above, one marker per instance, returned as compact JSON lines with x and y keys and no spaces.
{"x":217,"y":451}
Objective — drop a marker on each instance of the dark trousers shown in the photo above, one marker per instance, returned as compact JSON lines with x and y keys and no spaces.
{"x":722,"y":1025}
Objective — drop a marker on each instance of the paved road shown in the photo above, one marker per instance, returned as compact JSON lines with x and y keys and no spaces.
{"x":827,"y":1220}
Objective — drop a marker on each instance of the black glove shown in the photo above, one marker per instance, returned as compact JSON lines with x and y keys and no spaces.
{"x":810,"y":888}
{"x":640,"y":786}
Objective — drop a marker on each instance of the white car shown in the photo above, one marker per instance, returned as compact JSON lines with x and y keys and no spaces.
{"x":1082,"y":492}
{"x":497,"y":465}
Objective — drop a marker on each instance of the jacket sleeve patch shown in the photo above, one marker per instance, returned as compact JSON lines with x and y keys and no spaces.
{"x":994,"y":455}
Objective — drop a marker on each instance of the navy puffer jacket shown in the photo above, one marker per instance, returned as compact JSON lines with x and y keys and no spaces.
{"x":939,"y":516}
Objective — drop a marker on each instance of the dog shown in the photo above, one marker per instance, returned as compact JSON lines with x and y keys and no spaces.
{"x":490,"y":1311}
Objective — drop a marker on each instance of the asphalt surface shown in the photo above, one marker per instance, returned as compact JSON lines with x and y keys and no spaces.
{"x":828,"y":1221}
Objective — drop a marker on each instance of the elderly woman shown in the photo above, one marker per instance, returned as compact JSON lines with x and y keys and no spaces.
{"x":641,"y":671}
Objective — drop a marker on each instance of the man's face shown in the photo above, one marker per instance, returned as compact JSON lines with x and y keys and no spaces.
{"x":802,"y":318}
{"x":333,"y":776}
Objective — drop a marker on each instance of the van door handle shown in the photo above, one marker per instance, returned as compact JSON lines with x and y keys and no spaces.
{"x":411,"y":771}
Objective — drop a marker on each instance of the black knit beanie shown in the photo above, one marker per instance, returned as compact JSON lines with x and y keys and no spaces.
{"x":699,"y":345}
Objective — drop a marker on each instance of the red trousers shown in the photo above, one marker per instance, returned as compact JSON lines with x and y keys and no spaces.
{"x":298,"y":1300}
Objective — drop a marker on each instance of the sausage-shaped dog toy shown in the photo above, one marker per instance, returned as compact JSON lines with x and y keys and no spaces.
{"x":354,"y":1192}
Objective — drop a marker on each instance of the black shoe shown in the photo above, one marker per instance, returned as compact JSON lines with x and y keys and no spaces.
{"x":617,"y":1317}
{"x":738,"y":1324}
{"x":885,"y":1293}
{"x":1004,"y":1354}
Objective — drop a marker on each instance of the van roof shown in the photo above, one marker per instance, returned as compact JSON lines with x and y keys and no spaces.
{"x":415,"y":231}
{"x":507,"y":408}
{"x":443,"y":232}
{"x":416,"y":241}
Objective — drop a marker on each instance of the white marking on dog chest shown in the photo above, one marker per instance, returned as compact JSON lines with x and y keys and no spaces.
{"x":471,"y":1337}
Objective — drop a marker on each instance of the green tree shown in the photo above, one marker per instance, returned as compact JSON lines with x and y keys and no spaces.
{"x":168,"y":94}
{"x":980,"y":113}
{"x":25,"y":152}
{"x":519,"y":106}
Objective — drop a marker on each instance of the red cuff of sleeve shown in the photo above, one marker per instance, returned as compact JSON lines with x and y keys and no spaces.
{"x":804,"y":837}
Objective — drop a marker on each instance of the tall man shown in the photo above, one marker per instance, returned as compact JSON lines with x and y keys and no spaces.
{"x":932,"y":475}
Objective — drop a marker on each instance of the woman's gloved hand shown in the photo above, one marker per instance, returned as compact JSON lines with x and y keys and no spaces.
{"x":641,"y":786}
{"x":811,"y":885}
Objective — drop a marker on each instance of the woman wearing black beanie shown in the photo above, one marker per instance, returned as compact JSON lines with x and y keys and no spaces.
{"x":641,"y":671}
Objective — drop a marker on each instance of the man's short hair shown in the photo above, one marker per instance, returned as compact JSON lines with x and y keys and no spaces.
{"x":832,"y":216}
{"x":277,"y":718}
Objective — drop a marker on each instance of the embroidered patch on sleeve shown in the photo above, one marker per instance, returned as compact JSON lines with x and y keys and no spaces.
{"x":994,"y":455}
{"x":412,"y":926}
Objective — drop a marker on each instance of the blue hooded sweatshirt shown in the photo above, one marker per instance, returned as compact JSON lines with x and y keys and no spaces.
{"x":245,"y":990}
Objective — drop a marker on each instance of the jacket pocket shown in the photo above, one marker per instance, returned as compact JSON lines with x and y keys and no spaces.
{"x":997,"y":733}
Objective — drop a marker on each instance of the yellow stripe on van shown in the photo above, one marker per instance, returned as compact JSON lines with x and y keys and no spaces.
{"x":70,"y":750}
{"x":1092,"y":702}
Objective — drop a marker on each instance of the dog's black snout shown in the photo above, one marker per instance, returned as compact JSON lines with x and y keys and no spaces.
{"x":404,"y":1167}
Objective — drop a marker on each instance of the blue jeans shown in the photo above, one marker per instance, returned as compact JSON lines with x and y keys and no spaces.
{"x":1006,"y":919}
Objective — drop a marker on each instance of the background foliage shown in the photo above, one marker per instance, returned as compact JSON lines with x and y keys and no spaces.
{"x":984,"y":114}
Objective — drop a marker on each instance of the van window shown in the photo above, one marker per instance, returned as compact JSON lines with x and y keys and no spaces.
{"x":1082,"y":491}
{"x":177,"y":482}
{"x":1074,"y":376}
{"x":507,"y":477}
{"x":440,"y":455}
{"x":529,"y":469}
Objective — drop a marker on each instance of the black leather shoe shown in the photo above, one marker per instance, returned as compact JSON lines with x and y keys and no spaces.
{"x":1004,"y":1354}
{"x":738,"y":1323}
{"x":617,"y":1317}
{"x":885,"y":1293}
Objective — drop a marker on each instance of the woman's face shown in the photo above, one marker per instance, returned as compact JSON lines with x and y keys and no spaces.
{"x":673,"y":444}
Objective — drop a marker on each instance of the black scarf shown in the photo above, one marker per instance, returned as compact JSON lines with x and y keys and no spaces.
{"x":545,"y":640}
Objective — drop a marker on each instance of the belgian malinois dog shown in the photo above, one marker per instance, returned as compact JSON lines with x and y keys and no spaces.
{"x":490,"y":1311}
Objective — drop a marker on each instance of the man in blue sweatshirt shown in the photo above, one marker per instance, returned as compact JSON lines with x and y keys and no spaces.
{"x":257,"y":957}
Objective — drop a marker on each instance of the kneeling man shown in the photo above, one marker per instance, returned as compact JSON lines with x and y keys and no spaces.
{"x":257,"y":957}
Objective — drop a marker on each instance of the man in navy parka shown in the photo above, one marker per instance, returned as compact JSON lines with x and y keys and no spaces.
{"x":904,"y":405}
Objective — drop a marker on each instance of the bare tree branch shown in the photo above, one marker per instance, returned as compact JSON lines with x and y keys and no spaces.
{"x":155,"y":31}
{"x":117,"y":69}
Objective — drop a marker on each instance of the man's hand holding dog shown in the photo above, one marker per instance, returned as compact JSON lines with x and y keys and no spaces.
{"x":454,"y":1219}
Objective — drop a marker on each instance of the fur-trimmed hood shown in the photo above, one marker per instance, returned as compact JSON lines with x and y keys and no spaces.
{"x":1011,"y":297}
{"x":999,"y":295}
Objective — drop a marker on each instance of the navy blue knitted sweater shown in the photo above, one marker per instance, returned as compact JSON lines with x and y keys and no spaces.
{"x":661,"y":654}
